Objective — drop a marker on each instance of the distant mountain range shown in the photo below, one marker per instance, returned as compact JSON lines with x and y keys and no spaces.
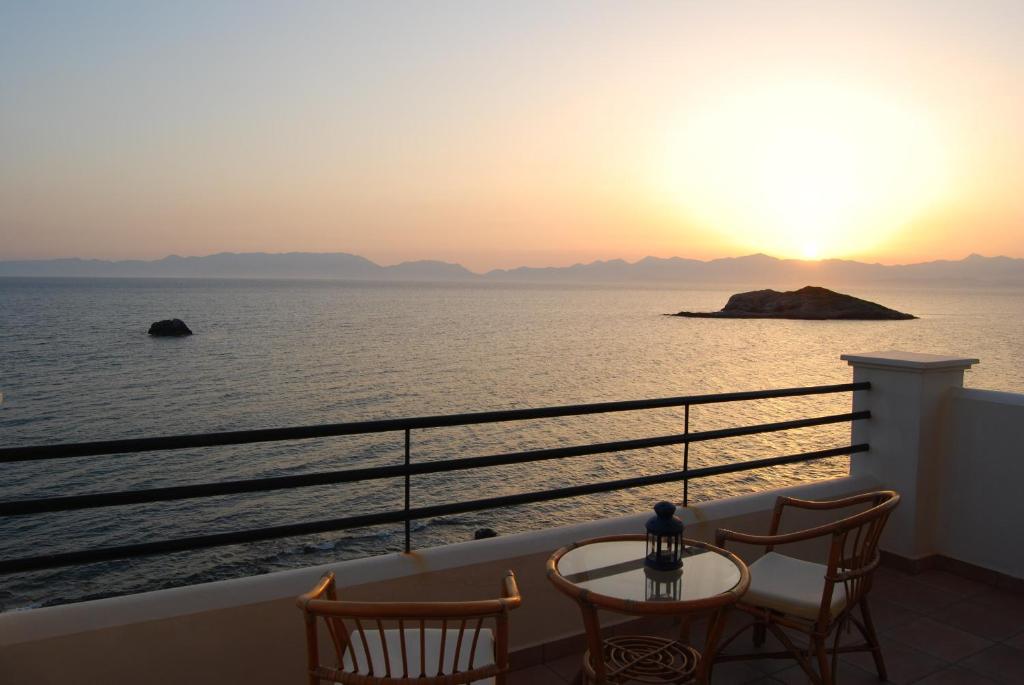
{"x":759,"y":268}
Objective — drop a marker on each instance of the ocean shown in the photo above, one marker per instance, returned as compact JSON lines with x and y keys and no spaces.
{"x":76,"y":364}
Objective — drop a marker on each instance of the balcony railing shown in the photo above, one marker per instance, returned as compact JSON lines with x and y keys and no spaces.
{"x":407,"y":470}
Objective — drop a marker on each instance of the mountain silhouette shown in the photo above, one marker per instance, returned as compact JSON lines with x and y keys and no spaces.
{"x":755,"y":268}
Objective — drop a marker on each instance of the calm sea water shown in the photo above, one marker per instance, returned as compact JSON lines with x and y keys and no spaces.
{"x":76,"y":364}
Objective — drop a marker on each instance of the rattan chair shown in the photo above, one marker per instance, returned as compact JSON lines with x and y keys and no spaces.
{"x":815,"y":599}
{"x":408,"y":643}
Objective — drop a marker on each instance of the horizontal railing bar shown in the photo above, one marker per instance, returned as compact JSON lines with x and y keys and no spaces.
{"x":95,"y":500}
{"x":626,"y":483}
{"x":175,"y":442}
{"x":58,"y":560}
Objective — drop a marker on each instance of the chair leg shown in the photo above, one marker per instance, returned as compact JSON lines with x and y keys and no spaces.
{"x":872,"y":636}
{"x":824,"y":667}
{"x":835,"y":646}
{"x":760,"y":634}
{"x":802,"y":656}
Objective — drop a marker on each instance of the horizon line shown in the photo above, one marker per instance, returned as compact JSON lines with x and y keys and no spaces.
{"x":508,"y":269}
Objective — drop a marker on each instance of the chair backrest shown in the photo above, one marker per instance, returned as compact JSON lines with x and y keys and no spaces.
{"x":408,"y":643}
{"x":853,"y":552}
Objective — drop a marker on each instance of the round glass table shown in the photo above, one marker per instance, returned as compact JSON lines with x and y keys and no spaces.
{"x":609,"y":574}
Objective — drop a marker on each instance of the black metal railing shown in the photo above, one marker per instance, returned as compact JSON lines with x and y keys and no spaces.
{"x":405,"y":470}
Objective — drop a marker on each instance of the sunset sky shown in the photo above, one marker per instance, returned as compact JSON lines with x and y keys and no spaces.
{"x":502,"y":134}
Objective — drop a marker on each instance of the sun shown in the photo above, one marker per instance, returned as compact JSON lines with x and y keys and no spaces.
{"x":810,"y":251}
{"x":805,"y":170}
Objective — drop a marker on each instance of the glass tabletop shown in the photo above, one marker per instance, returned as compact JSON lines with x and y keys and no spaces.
{"x":616,"y":569}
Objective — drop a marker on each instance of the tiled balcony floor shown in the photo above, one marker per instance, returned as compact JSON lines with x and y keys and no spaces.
{"x":935,"y":628}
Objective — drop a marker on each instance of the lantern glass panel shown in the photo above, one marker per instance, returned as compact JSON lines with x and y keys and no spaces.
{"x":664,"y":538}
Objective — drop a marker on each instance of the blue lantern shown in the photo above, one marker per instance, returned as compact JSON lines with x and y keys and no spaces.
{"x":664,"y":538}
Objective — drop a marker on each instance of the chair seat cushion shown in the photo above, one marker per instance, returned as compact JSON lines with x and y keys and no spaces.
{"x":482,"y":656}
{"x":792,"y":586}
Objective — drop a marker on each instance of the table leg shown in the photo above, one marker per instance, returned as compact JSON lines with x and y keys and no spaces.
{"x":595,"y":648}
{"x":685,"y":624}
{"x":716,"y":624}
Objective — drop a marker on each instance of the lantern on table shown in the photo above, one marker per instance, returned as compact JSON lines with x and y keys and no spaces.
{"x":664,"y":538}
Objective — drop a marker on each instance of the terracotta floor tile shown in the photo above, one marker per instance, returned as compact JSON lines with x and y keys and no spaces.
{"x":534,"y":675}
{"x":699,"y":628}
{"x":744,"y":645}
{"x":950,"y":582}
{"x":770,"y":666}
{"x":848,"y":675}
{"x":569,"y":668}
{"x":1016,"y":642}
{"x":670,"y":629}
{"x":986,"y":620}
{"x":1002,"y":598}
{"x":886,"y":574}
{"x":735,"y":673}
{"x":999,"y":662}
{"x":888,"y":615}
{"x":793,"y":674}
{"x":525,"y":658}
{"x":954,"y":675}
{"x":577,"y":644}
{"x":904,"y":664}
{"x":918,"y":597}
{"x":939,"y":639}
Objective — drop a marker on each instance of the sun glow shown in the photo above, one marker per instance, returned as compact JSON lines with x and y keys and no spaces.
{"x":806,"y":170}
{"x":810,"y":251}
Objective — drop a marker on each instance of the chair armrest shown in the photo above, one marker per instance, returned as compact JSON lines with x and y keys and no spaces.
{"x":510,"y":599}
{"x":781,"y":503}
{"x":322,"y":586}
{"x":723,"y":535}
{"x":510,"y":591}
{"x":842,"y":576}
{"x":829,"y":504}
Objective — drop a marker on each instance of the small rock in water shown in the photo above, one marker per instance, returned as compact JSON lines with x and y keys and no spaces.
{"x":482,"y":533}
{"x":170,"y":327}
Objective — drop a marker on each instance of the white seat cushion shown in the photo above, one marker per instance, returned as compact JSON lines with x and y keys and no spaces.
{"x":483,"y":655}
{"x":791,"y":586}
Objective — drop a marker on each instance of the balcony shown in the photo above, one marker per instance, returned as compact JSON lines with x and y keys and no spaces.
{"x":949,"y":600}
{"x":936,"y":626}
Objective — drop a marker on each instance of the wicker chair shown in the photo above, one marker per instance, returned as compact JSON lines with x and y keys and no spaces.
{"x":815,"y":599}
{"x":408,"y":643}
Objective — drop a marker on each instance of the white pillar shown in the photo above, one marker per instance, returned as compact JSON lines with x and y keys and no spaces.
{"x":909,"y":403}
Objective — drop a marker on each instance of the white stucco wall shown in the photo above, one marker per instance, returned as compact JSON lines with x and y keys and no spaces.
{"x":909,"y":401}
{"x":248,"y":630}
{"x":981,"y":501}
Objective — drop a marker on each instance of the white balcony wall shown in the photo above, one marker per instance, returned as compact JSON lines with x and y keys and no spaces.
{"x":248,"y":630}
{"x":955,"y":455}
{"x":981,"y":502}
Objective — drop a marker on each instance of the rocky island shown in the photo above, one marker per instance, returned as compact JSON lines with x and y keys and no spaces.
{"x":170,"y":328}
{"x":810,"y":302}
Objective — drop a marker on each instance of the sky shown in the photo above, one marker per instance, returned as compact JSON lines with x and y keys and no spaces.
{"x":514,"y":133}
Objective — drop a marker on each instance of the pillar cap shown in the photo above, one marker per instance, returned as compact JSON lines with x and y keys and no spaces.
{"x":909,"y":361}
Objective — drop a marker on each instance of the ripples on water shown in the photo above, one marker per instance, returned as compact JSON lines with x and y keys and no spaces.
{"x":77,"y":365}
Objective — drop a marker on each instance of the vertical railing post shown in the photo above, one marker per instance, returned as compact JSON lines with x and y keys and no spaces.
{"x":686,"y":454}
{"x":408,"y":542}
